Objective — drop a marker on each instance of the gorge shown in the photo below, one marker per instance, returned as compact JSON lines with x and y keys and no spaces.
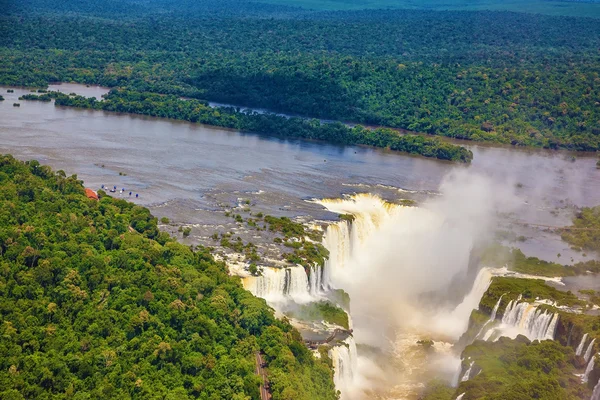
{"x":409,"y":306}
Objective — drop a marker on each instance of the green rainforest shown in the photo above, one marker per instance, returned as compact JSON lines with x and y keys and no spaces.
{"x":97,"y":303}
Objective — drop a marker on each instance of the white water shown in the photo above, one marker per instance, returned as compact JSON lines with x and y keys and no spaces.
{"x":387,"y":251}
{"x":525,"y":319}
{"x":596,"y":392}
{"x":467,"y":373}
{"x":280,"y":284}
{"x":588,"y":369}
{"x":384,"y":259}
{"x":492,"y":317}
{"x":495,"y":310}
{"x":579,"y":349}
{"x":460,"y":396}
{"x":588,"y":352}
{"x":337,"y":240}
{"x":345,"y":361}
{"x":315,"y":280}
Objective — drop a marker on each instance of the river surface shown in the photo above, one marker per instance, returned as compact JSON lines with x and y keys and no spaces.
{"x":184,"y":170}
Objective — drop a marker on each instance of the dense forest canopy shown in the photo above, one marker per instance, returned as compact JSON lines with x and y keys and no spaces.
{"x":96,"y":302}
{"x":489,"y":76}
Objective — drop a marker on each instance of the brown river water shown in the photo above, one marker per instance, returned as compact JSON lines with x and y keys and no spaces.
{"x":184,"y":170}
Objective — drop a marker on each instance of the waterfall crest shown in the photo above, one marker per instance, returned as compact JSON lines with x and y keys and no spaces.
{"x":588,"y":351}
{"x":280,"y":284}
{"x":522,"y":318}
{"x":345,"y":359}
{"x":579,"y":349}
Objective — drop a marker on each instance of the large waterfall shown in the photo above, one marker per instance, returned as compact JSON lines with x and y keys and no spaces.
{"x":384,"y":260}
{"x":345,"y":359}
{"x":522,"y":318}
{"x":278,"y":284}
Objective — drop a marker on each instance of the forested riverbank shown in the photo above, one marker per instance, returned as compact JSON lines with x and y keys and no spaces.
{"x":169,"y":106}
{"x":97,"y":302}
{"x":483,"y":76}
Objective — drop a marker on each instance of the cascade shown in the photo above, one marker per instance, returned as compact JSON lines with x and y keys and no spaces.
{"x":596,"y":392}
{"x":492,"y":317}
{"x":344,"y":358}
{"x":337,"y":240}
{"x":460,"y":396}
{"x":383,"y":261}
{"x":588,"y":369}
{"x":581,"y":344}
{"x":467,"y":373}
{"x":471,"y":301}
{"x":315,"y":280}
{"x":525,"y":319}
{"x":280,"y":284}
{"x":495,"y":310}
{"x":588,"y":352}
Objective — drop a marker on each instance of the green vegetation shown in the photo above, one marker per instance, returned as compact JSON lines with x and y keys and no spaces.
{"x":198,"y":111}
{"x":307,"y":246}
{"x":498,"y":256}
{"x":96,"y":302}
{"x":530,"y":289}
{"x":564,"y":7}
{"x":545,"y":370}
{"x":164,"y":220}
{"x":1,"y":98}
{"x":438,"y":390}
{"x":586,"y":234}
{"x":484,"y":76}
{"x":35,"y":97}
{"x":346,"y":217}
{"x":322,"y":311}
{"x":339,"y":296}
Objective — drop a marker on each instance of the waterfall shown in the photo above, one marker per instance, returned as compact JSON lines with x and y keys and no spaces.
{"x":279,"y":284}
{"x":471,"y":300}
{"x":492,"y":317}
{"x":344,"y":358}
{"x":337,"y":240}
{"x":495,"y":310}
{"x":345,"y":240}
{"x":315,"y":280}
{"x":467,"y":373}
{"x":588,"y":369}
{"x":581,"y":344}
{"x":525,"y":319}
{"x":588,"y":352}
{"x":596,"y":392}
{"x":460,"y":396}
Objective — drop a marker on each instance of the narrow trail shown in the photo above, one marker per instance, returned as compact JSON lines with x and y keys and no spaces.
{"x":260,"y":371}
